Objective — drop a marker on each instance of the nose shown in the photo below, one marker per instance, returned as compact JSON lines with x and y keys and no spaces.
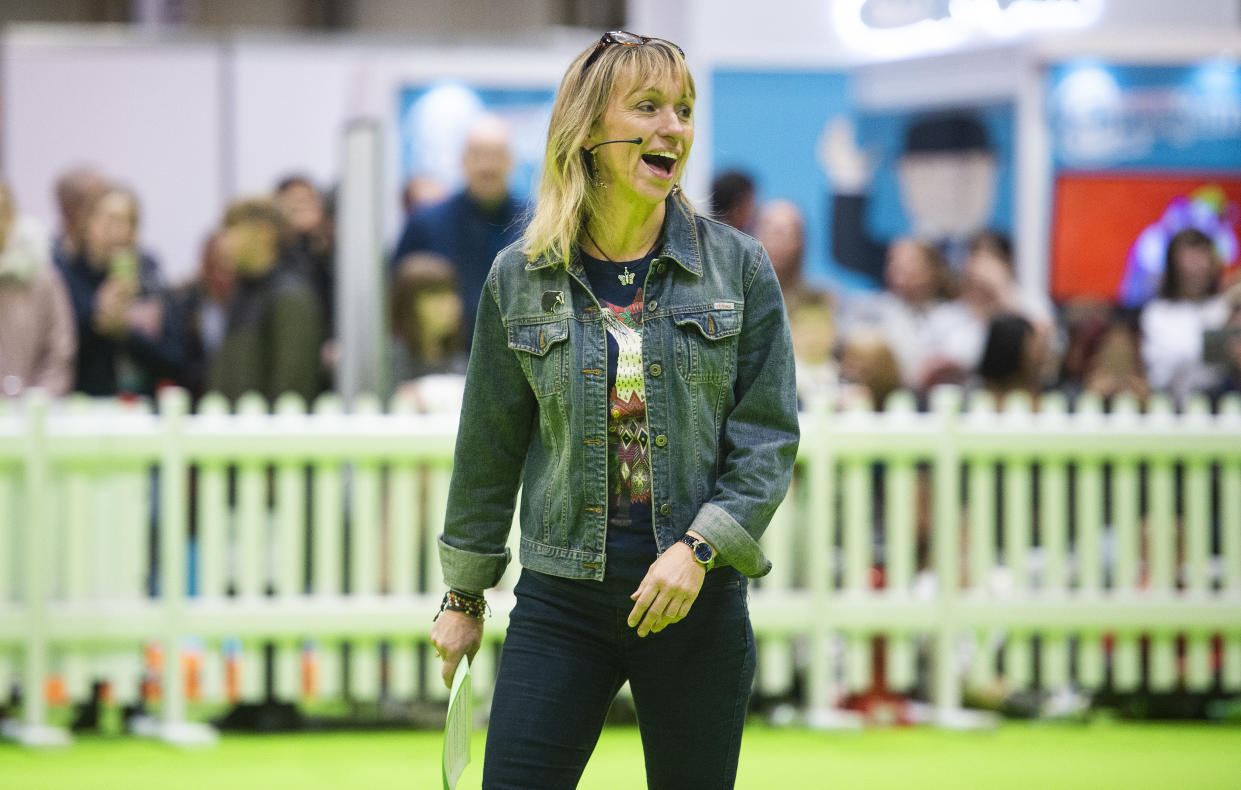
{"x":671,"y":124}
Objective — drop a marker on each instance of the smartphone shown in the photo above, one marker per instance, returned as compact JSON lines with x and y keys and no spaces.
{"x":123,"y":265}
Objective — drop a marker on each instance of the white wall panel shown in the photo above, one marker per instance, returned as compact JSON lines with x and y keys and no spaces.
{"x":147,"y":115}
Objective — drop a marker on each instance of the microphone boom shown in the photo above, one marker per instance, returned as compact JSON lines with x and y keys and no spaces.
{"x":634,"y":140}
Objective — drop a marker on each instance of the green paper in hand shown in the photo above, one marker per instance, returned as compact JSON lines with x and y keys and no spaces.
{"x":457,"y":726}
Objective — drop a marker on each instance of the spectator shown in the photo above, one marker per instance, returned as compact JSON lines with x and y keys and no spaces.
{"x":271,"y":343}
{"x":204,"y":307}
{"x":37,"y":336}
{"x":76,"y":191}
{"x":781,"y":230}
{"x":129,"y":336}
{"x":1013,"y":357}
{"x":917,"y":283}
{"x":1103,"y":356}
{"x":312,"y":238}
{"x":471,"y":227}
{"x":988,"y":289}
{"x":813,"y":329}
{"x":1229,"y":345}
{"x":991,"y":259}
{"x":868,"y":368}
{"x":1174,"y":323}
{"x":733,"y":200}
{"x":429,"y":359}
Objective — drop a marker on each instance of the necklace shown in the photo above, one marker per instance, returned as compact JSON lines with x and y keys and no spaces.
{"x":625,"y":277}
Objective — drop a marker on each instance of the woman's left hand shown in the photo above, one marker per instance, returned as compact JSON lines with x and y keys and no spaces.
{"x":668,"y":590}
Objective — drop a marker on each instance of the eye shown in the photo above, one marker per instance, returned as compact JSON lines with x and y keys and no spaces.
{"x":646,"y":106}
{"x":685,"y":112}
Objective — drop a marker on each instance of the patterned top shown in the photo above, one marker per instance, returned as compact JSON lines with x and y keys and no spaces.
{"x":631,"y":544}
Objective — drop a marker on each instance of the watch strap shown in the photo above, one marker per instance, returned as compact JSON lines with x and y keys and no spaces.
{"x":692,"y":542}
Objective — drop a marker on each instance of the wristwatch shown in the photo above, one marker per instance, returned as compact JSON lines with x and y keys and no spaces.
{"x":704,"y":554}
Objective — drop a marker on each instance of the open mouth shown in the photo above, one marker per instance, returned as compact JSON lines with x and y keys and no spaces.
{"x":662,"y":162}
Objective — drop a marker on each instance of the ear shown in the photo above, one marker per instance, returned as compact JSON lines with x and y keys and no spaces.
{"x":588,"y":161}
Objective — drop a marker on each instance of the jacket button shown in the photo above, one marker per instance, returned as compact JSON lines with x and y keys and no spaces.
{"x":659,"y":267}
{"x":661,"y":440}
{"x":656,"y":370}
{"x":651,"y":305}
{"x":665,"y":509}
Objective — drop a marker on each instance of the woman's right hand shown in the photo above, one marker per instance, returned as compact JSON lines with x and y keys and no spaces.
{"x":455,"y":634}
{"x":112,"y":305}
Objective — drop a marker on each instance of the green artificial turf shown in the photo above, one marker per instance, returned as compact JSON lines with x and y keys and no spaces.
{"x":1098,"y":756}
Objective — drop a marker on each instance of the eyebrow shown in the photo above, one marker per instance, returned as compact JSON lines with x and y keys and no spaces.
{"x":651,"y":90}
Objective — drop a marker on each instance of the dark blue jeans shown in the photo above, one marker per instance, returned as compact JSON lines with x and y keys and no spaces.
{"x":568,"y":651}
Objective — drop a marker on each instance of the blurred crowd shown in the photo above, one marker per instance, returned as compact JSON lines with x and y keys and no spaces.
{"x":87,"y":309}
{"x":966,"y":320}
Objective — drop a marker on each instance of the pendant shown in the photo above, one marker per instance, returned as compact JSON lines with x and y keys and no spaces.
{"x":626,"y":277}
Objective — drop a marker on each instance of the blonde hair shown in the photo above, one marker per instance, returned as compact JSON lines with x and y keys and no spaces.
{"x":567,"y":194}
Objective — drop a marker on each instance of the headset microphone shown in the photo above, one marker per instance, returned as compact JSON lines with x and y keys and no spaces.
{"x":634,"y":140}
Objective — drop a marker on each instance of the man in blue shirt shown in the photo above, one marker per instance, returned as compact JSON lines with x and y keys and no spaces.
{"x":473,"y":225}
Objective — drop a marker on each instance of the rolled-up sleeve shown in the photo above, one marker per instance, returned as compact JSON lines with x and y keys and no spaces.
{"x":760,"y":433}
{"x":497,"y":415}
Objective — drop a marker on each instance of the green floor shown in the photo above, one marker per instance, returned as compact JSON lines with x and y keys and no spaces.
{"x":1100,"y":756}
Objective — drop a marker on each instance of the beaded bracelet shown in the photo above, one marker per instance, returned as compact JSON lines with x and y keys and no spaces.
{"x":455,"y":601}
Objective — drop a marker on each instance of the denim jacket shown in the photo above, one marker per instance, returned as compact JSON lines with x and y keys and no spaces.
{"x":720,"y":399}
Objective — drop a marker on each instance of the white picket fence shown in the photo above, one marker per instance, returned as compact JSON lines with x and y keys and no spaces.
{"x":1043,"y":535}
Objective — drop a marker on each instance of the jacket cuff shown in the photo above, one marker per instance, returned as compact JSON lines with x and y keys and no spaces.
{"x":730,"y":541}
{"x":471,"y":570}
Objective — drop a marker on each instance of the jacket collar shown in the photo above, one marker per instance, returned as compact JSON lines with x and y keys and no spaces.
{"x":681,"y":242}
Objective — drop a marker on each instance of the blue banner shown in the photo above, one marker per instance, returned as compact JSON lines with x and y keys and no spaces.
{"x":433,"y":121}
{"x":1107,"y":116}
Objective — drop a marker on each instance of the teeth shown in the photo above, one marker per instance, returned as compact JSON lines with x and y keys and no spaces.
{"x":668,"y":154}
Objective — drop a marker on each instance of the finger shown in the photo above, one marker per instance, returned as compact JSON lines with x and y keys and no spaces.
{"x":653,"y":614}
{"x":636,"y":594}
{"x":450,"y":669}
{"x":647,"y":597}
{"x":687,"y":605}
{"x":666,"y":619}
{"x":674,"y":613}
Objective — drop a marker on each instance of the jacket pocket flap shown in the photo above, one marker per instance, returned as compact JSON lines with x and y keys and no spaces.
{"x":537,"y":338}
{"x":713,"y":324}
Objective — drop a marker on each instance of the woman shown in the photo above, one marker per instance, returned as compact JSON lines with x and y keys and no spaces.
{"x":1189,"y":304}
{"x":428,"y":355}
{"x":129,"y":334}
{"x":917,"y":283}
{"x":632,"y":370}
{"x":38,"y":341}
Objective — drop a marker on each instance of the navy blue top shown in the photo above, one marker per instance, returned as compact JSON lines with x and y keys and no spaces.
{"x":631,"y":546}
{"x":468,"y":236}
{"x":136,"y":364}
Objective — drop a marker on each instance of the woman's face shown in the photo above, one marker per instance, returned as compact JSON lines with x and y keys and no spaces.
{"x":908,"y":274}
{"x":1196,"y":270}
{"x":662,"y":115}
{"x":111,"y":227}
{"x":438,"y":313}
{"x":984,"y":283}
{"x":302,"y":207}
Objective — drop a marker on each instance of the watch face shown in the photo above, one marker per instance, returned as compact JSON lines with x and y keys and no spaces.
{"x":703,"y":552}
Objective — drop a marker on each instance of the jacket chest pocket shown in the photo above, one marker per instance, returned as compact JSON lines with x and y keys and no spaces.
{"x":543,"y":352}
{"x":706,"y":344}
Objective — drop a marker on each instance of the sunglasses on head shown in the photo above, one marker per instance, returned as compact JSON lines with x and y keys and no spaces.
{"x":625,"y":39}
